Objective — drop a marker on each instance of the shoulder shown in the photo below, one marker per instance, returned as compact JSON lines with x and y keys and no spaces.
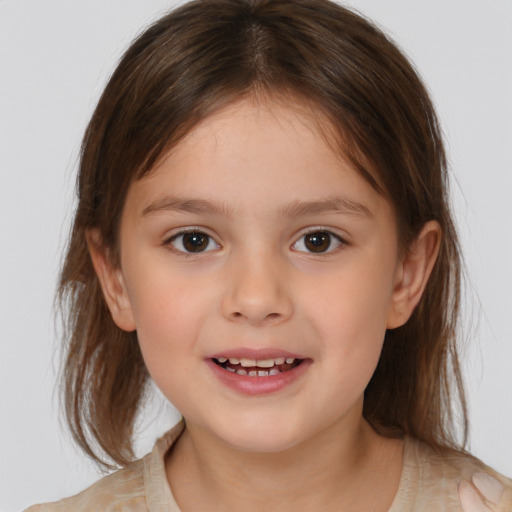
{"x":139,"y":487}
{"x":458,"y":479}
{"x":481,"y":488}
{"x":122,"y":490}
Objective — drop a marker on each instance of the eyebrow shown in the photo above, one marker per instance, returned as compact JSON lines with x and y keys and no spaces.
{"x":187,"y":205}
{"x":335,"y":204}
{"x":330,"y":205}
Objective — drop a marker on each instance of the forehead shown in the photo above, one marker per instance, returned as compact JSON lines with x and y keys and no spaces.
{"x":256,"y":152}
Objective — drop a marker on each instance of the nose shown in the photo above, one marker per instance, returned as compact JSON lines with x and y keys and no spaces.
{"x":257,"y":291}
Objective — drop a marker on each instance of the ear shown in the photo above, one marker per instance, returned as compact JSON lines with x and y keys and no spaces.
{"x":111,"y":281}
{"x":413,"y":273}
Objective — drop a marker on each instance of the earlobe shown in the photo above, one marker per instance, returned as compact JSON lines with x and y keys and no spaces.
{"x":413,"y":274}
{"x":111,"y":281}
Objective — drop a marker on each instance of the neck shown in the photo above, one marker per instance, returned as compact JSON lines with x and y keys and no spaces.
{"x":353,"y":468}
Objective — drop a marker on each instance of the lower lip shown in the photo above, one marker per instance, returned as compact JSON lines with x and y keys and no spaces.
{"x":258,"y":385}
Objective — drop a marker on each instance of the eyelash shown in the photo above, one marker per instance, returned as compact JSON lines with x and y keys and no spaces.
{"x":332,"y":236}
{"x":317,"y":230}
{"x":196,"y":231}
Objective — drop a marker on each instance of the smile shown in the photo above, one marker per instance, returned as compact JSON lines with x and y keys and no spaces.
{"x":258,"y":372}
{"x":257,"y":367}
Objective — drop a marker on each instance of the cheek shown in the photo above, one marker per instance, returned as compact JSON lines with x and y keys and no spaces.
{"x":168,"y":311}
{"x":352,"y":333}
{"x":353,"y":305}
{"x":167,"y":330}
{"x":349,"y":313}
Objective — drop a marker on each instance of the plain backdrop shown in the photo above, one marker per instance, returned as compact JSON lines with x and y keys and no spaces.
{"x":55,"y":57}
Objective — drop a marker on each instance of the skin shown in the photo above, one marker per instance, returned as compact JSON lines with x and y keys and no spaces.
{"x":257,"y":285}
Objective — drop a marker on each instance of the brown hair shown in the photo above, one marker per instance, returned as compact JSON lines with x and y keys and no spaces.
{"x":197,"y":59}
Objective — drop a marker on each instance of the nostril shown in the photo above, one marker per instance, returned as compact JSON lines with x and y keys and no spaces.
{"x":269,"y":317}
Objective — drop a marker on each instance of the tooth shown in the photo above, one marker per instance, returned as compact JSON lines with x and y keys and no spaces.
{"x":253,"y":373}
{"x":274,"y":371}
{"x":234,"y":360}
{"x":289,"y":360}
{"x":279,"y":360}
{"x":265,"y":363}
{"x":232,"y":370}
{"x":262,"y":373}
{"x":241,"y":372}
{"x":222,"y":359}
{"x":247,"y":362}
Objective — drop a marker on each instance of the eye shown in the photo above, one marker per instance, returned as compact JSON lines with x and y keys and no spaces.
{"x":318,"y":242}
{"x":193,"y":242}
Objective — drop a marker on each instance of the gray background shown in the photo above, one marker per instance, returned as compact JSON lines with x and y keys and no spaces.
{"x":55,"y":56}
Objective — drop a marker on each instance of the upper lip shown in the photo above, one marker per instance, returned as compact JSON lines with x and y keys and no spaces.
{"x":258,"y":354}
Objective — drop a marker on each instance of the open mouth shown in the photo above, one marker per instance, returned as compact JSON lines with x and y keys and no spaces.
{"x":258,"y":367}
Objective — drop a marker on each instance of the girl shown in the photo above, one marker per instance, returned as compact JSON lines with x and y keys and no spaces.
{"x":263,"y":230}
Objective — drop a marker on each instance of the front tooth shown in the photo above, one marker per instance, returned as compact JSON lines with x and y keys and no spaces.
{"x":234,"y":360}
{"x":241,"y":372}
{"x":262,"y":373}
{"x":274,"y":371}
{"x":222,"y":359}
{"x":289,"y":360}
{"x":265,"y":363}
{"x":248,"y":362}
{"x":279,"y":360}
{"x":253,"y":373}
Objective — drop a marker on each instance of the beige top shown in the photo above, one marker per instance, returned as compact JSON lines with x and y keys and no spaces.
{"x":428,"y":483}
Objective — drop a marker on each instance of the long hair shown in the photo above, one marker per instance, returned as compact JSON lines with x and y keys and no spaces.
{"x":194,"y":61}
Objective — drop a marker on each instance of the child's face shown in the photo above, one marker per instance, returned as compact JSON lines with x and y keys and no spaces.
{"x":289,"y":253}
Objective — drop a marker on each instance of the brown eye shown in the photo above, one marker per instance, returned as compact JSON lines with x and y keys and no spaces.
{"x":193,"y":241}
{"x":317,"y":242}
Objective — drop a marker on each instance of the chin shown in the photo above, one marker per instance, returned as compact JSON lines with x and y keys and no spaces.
{"x":259,"y":436}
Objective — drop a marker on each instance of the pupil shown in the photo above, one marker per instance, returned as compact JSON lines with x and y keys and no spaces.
{"x":195,"y":242}
{"x":318,"y":242}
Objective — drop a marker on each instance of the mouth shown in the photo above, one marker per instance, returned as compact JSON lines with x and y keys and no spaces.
{"x":258,"y":372}
{"x":257,"y":367}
